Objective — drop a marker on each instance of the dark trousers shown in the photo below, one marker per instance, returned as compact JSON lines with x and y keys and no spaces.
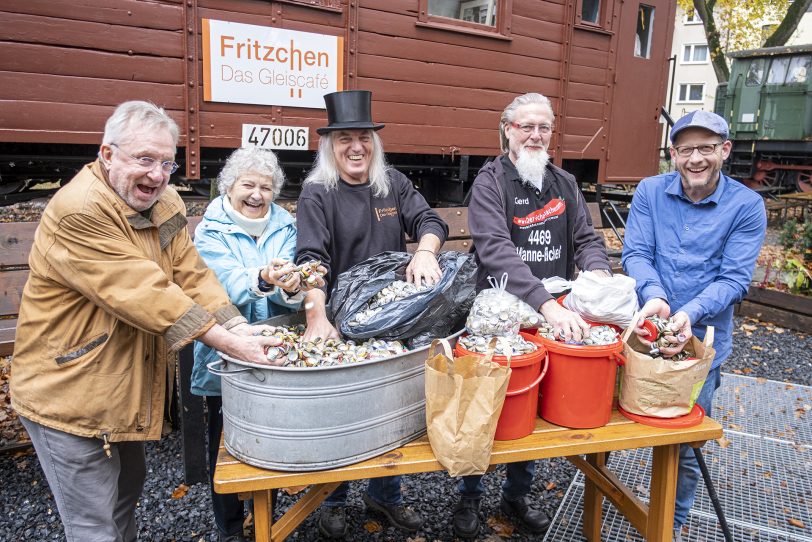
{"x":228,"y":510}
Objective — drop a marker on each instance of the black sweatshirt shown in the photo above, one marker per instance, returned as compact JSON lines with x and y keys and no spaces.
{"x":347,"y":225}
{"x":531,"y":234}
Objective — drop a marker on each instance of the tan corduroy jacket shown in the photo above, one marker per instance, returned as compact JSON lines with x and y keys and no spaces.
{"x":110,"y":299}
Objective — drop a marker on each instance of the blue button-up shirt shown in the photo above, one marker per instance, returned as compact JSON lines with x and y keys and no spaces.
{"x":699,"y":257}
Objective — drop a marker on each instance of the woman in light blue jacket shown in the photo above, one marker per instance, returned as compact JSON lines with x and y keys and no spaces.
{"x":249,"y":242}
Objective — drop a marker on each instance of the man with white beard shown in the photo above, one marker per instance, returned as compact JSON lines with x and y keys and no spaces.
{"x":528,"y":219}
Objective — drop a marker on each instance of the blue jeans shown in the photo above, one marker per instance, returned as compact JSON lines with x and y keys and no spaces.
{"x":517,"y":482}
{"x":689,"y":473}
{"x":384,"y":490}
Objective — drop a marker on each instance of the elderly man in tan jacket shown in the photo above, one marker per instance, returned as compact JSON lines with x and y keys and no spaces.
{"x":116,"y":288}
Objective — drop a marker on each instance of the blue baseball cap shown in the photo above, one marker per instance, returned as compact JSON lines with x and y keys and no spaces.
{"x":701,"y":119}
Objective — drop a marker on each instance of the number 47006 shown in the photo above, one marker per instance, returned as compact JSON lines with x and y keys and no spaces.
{"x":275,"y":137}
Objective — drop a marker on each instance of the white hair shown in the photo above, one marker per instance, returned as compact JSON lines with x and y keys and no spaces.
{"x":325,"y":171}
{"x":133,"y":115}
{"x":509,"y":114}
{"x":251,"y":160}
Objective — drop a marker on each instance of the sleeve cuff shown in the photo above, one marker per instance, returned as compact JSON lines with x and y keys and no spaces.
{"x":254,"y":287}
{"x":693,"y":310}
{"x":652,"y":291}
{"x":229,"y":316}
{"x":192,"y":324}
{"x":298,"y":297}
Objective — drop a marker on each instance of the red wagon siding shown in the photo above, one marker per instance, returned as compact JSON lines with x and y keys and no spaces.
{"x":64,"y":65}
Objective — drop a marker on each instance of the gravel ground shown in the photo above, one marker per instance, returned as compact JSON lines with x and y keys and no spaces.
{"x":29,"y":513}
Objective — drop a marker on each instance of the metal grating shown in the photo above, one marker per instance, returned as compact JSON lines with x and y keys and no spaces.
{"x":763,"y":481}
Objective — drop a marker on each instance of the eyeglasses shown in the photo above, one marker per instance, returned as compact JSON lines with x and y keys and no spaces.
{"x":531,"y":128}
{"x":687,"y":150}
{"x":148,"y":164}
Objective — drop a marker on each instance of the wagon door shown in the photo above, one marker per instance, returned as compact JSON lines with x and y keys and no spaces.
{"x":640,"y":75}
{"x":748,"y":81}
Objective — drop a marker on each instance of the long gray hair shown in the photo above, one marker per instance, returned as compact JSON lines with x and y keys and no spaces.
{"x":325,"y":171}
{"x":509,"y":114}
{"x":120,"y":126}
{"x":251,"y":160}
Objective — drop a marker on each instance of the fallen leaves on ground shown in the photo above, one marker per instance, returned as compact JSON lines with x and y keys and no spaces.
{"x":293,"y":490}
{"x":796,"y":523}
{"x":550,"y":486}
{"x":372,"y":526}
{"x":501,"y":526}
{"x":180,"y":491}
{"x":723,"y":442}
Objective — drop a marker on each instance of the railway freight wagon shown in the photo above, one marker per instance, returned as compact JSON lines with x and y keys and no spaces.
{"x":242,"y":72}
{"x":768,"y":104}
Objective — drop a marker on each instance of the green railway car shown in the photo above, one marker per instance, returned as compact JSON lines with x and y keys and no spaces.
{"x":768,"y":104}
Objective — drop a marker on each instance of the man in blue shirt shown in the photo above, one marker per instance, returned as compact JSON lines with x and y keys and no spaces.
{"x":691,"y":243}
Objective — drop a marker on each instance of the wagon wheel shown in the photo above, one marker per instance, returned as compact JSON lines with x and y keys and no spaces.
{"x":762,"y":179}
{"x":804,"y":181}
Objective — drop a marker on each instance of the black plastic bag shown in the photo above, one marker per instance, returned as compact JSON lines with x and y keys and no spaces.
{"x":430,"y":313}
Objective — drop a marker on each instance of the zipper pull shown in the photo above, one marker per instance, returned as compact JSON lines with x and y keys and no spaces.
{"x":107,"y":446}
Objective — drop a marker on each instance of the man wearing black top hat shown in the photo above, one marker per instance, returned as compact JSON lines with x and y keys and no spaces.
{"x":354,"y":206}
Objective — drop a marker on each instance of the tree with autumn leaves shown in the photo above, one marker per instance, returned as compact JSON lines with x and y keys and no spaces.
{"x":733,"y":25}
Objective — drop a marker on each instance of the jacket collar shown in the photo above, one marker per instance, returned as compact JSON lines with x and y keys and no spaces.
{"x":674,"y":188}
{"x":165,"y":209}
{"x":216,"y":219}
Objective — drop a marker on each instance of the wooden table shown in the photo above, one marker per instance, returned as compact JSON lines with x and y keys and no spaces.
{"x":654,"y":521}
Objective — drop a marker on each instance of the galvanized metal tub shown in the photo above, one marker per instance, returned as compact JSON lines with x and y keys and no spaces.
{"x":314,"y":418}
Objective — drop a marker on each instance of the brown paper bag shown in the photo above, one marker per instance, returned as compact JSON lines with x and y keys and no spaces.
{"x":464,"y":398}
{"x":661,"y":387}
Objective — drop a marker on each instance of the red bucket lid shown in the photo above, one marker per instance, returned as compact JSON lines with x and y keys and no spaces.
{"x":691,"y":419}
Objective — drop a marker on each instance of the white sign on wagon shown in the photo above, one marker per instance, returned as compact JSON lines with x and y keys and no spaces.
{"x":246,"y":63}
{"x":272,"y":136}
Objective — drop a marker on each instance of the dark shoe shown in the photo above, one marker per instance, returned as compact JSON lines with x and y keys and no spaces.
{"x":398,"y":515}
{"x":466,"y":517}
{"x":232,"y":537}
{"x":333,"y":521}
{"x":532,"y":519}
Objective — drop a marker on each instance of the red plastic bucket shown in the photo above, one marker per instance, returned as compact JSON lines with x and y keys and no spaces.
{"x":518,"y":418}
{"x":577,"y":391}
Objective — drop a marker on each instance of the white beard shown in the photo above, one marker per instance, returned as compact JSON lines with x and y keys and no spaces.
{"x":532,"y":165}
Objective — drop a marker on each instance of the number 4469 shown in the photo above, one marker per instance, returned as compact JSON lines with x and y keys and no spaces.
{"x":539,"y":237}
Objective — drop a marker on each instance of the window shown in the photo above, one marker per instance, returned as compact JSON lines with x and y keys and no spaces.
{"x":329,"y":5}
{"x":755,"y":74}
{"x":778,"y":71}
{"x":642,"y":39}
{"x":694,"y":53}
{"x":591,"y":11}
{"x":484,"y":17}
{"x":691,"y":17}
{"x":477,"y":11}
{"x":799,"y":68}
{"x":692,"y":92}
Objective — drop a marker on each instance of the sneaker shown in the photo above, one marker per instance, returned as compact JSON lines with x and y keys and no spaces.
{"x":333,"y":521}
{"x":466,"y":517}
{"x":399,"y":515}
{"x":677,"y":535}
{"x":532,"y":519}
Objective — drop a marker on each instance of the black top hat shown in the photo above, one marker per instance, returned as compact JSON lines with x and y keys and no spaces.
{"x":349,"y":110}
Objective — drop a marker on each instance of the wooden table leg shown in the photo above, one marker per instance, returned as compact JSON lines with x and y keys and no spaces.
{"x":593,"y":501}
{"x":263,"y":515}
{"x":665,"y":463}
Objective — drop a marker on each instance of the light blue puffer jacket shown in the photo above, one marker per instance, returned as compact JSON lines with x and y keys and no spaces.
{"x":236,"y":260}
